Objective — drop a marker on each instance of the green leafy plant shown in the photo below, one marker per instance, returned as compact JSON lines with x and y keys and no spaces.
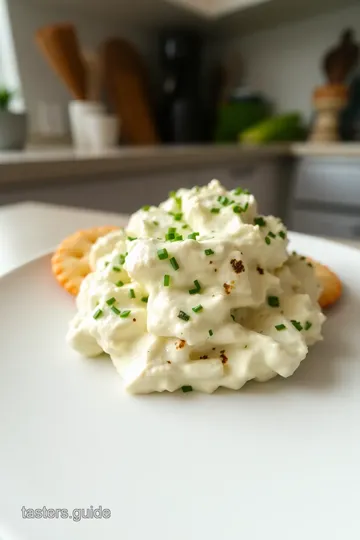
{"x":5,"y":98}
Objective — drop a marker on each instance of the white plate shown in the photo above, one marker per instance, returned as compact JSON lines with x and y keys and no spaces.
{"x":277,"y":461}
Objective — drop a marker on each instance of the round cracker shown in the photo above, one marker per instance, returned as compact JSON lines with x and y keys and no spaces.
{"x":70,"y":262}
{"x":330,"y":282}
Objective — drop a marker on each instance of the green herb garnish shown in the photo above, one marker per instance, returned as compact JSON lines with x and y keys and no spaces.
{"x":259,"y":221}
{"x":308,"y":325}
{"x":297,"y":325}
{"x":119,"y":284}
{"x":224,"y":201}
{"x":184,"y":316}
{"x":116,"y":269}
{"x":280,"y":327}
{"x":267,"y":240}
{"x":98,"y":313}
{"x":166,"y":280}
{"x":273,"y":301}
{"x":211,"y":333}
{"x":197,"y":309}
{"x":215,"y":210}
{"x":174,"y":263}
{"x":162,"y":254}
{"x":146,"y":208}
{"x":125,"y":314}
{"x":239,"y":209}
{"x":209,"y":252}
{"x":122,"y":258}
{"x":111,"y":301}
{"x":178,"y":216}
{"x":145,"y":299}
{"x":185,"y":227}
{"x":282,"y":235}
{"x":193,"y":235}
{"x":132,"y":238}
{"x":170,"y":236}
{"x":132,"y":293}
{"x":187,"y":389}
{"x":115,"y":310}
{"x":271,"y":234}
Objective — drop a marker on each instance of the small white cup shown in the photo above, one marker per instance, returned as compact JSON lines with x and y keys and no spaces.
{"x":103,"y":131}
{"x":78,"y":113}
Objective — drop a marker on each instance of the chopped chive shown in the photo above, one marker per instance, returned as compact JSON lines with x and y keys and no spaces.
{"x":239,"y":209}
{"x":116,"y":269}
{"x":178,"y":216}
{"x":115,"y":310}
{"x":178,"y":201}
{"x":209,"y":252}
{"x":178,"y":238}
{"x":238,"y":191}
{"x":280,"y":327}
{"x":193,"y":235}
{"x":170,"y":236}
{"x":197,"y":309}
{"x":132,"y":293}
{"x":184,"y":316}
{"x":172,"y":194}
{"x":166,"y":280}
{"x":215,"y":210}
{"x":156,"y":223}
{"x":172,"y":230}
{"x":297,"y":325}
{"x":111,"y":301}
{"x":122,"y":258}
{"x":98,"y":313}
{"x":193,"y":291}
{"x":146,"y":208}
{"x":308,"y":325}
{"x":125,"y":314}
{"x":282,"y":235}
{"x":186,"y":389}
{"x":162,"y":254}
{"x":197,"y":285}
{"x":119,"y":284}
{"x":259,"y":221}
{"x":267,"y":240}
{"x":271,"y":234}
{"x":273,"y":301}
{"x":145,"y":299}
{"x":211,"y":333}
{"x":224,"y":201}
{"x":132,"y":238}
{"x":107,"y":264}
{"x":185,"y":226}
{"x":174,"y":263}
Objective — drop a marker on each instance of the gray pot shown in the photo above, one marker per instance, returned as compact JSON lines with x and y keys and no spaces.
{"x":13,"y":130}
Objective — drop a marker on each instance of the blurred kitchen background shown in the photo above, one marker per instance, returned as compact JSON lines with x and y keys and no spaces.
{"x":111,"y":104}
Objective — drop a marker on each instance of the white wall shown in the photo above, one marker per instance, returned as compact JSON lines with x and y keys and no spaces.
{"x":284,"y":63}
{"x":40,"y":84}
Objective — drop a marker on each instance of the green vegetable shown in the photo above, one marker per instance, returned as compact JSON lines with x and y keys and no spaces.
{"x":145,"y":299}
{"x":211,"y":333}
{"x":125,"y":314}
{"x":111,"y":301}
{"x":197,"y":309}
{"x":273,"y":301}
{"x":280,"y":327}
{"x":260,"y":221}
{"x":209,"y":252}
{"x":215,"y":210}
{"x":187,"y":389}
{"x":174,"y":263}
{"x":166,"y":280}
{"x":115,"y":310}
{"x":297,"y":325}
{"x":286,"y":127}
{"x":308,"y":325}
{"x":119,"y":284}
{"x":267,"y":240}
{"x":132,"y":293}
{"x":162,"y":254}
{"x":98,"y":313}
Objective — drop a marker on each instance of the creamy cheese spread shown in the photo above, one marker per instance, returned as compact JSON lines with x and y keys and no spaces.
{"x":198,"y":293}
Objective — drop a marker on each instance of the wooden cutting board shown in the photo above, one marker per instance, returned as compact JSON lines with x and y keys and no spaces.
{"x":127,"y":89}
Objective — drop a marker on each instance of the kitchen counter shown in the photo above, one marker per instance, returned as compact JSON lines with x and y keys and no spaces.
{"x":50,"y":164}
{"x":28,"y":230}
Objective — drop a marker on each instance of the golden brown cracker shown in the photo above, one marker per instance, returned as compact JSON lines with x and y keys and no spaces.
{"x":330,"y":282}
{"x":70,"y":262}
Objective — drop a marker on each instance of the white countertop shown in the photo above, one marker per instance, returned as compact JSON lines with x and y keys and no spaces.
{"x":50,"y":164}
{"x":28,"y":230}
